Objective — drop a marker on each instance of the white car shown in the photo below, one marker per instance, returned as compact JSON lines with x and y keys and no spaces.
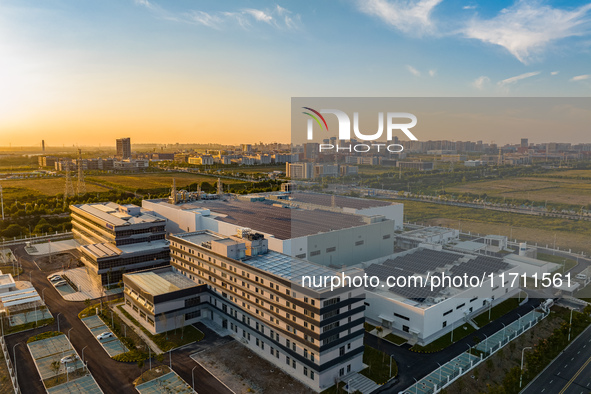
{"x":60,"y":283}
{"x":69,"y":359}
{"x":104,"y":335}
{"x":55,"y":278}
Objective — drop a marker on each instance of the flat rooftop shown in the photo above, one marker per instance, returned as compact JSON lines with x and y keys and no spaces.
{"x":103,"y":250}
{"x":327,"y":200}
{"x":426,"y":232}
{"x":424,"y":261}
{"x":160,"y":281}
{"x":275,"y":263}
{"x":283,"y":223}
{"x":119,"y":215}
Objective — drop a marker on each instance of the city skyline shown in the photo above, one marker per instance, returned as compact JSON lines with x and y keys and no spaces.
{"x":224,"y":72}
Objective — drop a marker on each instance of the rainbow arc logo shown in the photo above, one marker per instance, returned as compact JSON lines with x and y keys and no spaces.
{"x":316,"y":118}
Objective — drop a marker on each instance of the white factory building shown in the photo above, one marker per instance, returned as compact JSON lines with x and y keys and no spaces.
{"x":329,"y":230}
{"x":422,"y":314}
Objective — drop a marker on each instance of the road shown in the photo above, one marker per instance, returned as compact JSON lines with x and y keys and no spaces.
{"x":112,"y":376}
{"x":569,"y":373}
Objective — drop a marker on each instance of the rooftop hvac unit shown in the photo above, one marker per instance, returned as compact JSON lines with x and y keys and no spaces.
{"x":242,"y":232}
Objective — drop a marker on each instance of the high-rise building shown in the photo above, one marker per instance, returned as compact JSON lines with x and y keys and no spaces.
{"x":524,"y":142}
{"x":124,"y":148}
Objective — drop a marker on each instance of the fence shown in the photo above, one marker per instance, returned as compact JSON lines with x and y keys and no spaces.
{"x":11,"y":372}
{"x":460,"y":365}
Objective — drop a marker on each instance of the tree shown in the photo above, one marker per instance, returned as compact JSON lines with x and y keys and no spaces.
{"x":55,"y":366}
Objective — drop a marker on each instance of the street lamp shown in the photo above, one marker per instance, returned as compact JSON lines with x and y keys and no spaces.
{"x":83,"y":353}
{"x":193,"y":378}
{"x":416,"y":385}
{"x":521,"y":375}
{"x":58,"y":320}
{"x":14,"y":356}
{"x":570,"y":324}
{"x":43,"y":294}
{"x":440,"y":367}
{"x":69,"y":332}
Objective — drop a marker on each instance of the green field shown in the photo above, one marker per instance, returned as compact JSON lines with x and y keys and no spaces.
{"x":555,"y":190}
{"x":18,"y":188}
{"x":570,"y":234}
{"x":132,"y":182}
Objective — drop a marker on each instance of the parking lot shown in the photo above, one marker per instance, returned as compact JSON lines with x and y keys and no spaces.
{"x":96,"y":326}
{"x":46,"y":351}
{"x":86,"y":384}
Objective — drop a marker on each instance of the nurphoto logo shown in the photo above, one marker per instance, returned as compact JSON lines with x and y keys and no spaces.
{"x":344,"y":131}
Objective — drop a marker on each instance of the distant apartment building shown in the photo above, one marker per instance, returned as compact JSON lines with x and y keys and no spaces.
{"x":453,"y":158}
{"x":246,"y":148}
{"x":124,"y":148}
{"x":281,"y":158}
{"x":118,"y":239}
{"x":264,"y":158}
{"x":416,"y":165}
{"x":203,"y":160}
{"x":47,"y":161}
{"x":299,"y":170}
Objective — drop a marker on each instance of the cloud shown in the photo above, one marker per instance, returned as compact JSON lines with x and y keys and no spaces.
{"x":278,"y":17}
{"x":469,"y":7}
{"x":413,"y":71}
{"x":432,"y":73}
{"x":512,"y":80}
{"x":411,"y":17}
{"x":480,"y":82}
{"x":526,"y":28}
{"x":580,"y":78}
{"x":554,"y":72}
{"x":259,"y":15}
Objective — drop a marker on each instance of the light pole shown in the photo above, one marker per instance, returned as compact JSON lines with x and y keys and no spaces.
{"x":58,"y":320}
{"x":519,"y":320}
{"x":570,"y":324}
{"x":170,"y":358}
{"x":83,"y":353}
{"x":440,"y":367}
{"x":390,"y":365}
{"x":43,"y":294}
{"x":14,"y":356}
{"x":416,"y":385}
{"x":503,"y":330}
{"x":112,"y":325}
{"x":521,"y":374}
{"x":193,"y":378}
{"x":69,"y":332}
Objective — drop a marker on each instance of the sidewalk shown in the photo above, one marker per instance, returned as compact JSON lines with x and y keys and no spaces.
{"x":130,"y":324}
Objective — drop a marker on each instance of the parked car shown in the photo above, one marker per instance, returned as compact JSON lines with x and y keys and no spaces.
{"x":60,"y":283}
{"x":56,"y":278}
{"x":104,"y":335}
{"x":69,"y":359}
{"x":51,"y":277}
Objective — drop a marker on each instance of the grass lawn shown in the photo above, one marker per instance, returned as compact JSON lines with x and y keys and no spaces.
{"x":28,"y":326}
{"x":45,"y":335}
{"x":152,"y":374}
{"x":368,"y":327}
{"x":496,"y":312}
{"x":395,"y":339}
{"x":445,"y":340}
{"x":378,"y":363}
{"x":569,"y":264}
{"x":7,"y":269}
{"x":584,"y":294}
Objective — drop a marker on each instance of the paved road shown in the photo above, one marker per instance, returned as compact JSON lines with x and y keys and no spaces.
{"x":416,"y":365}
{"x":569,"y":373}
{"x":112,"y":376}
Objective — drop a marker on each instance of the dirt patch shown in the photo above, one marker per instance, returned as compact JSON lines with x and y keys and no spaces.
{"x":59,"y":261}
{"x":254,"y":375}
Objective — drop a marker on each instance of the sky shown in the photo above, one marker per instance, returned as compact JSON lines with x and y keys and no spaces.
{"x":85,"y":72}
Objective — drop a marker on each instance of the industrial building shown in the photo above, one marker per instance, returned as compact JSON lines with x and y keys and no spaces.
{"x":118,"y":238}
{"x":329,"y":230}
{"x":422,"y":313}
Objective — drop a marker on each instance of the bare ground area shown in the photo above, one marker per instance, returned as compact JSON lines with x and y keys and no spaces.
{"x":252,"y":375}
{"x":564,"y":240}
{"x":59,"y":261}
{"x":5,"y":385}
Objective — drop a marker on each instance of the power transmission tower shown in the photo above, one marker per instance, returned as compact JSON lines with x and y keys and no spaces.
{"x":69,"y":192}
{"x":81,"y":184}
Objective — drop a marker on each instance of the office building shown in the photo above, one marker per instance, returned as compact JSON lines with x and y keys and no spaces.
{"x":117,"y":239}
{"x":124,"y":148}
{"x":313,"y":334}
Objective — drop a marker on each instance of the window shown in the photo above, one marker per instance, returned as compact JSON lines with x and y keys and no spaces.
{"x":342,"y":351}
{"x":461,"y":306}
{"x":330,"y":326}
{"x":332,"y":301}
{"x":359,"y":243}
{"x":314,"y":253}
{"x":330,"y":339}
{"x":330,"y":314}
{"x":305,"y":371}
{"x":447,"y":312}
{"x":312,"y":375}
{"x":387,"y":236}
{"x":293,"y":363}
{"x":331,"y":249}
{"x":474,"y":299}
{"x":401,"y":316}
{"x":287,"y":360}
{"x":444,"y":324}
